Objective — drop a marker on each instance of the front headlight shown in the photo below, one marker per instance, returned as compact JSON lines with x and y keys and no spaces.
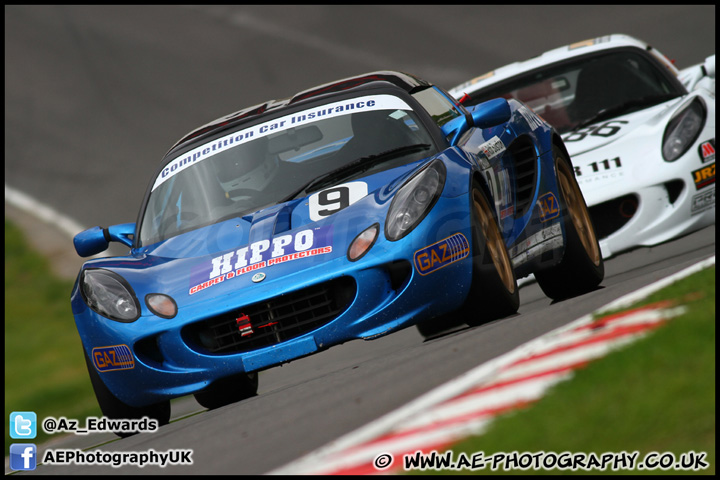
{"x":682,"y":131}
{"x":414,"y":200}
{"x":110,"y":295}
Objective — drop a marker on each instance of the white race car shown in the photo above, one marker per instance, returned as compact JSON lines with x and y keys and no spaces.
{"x":641,"y":133}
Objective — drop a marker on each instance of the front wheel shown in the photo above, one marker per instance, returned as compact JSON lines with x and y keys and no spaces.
{"x":581,"y":268}
{"x":493,"y":292}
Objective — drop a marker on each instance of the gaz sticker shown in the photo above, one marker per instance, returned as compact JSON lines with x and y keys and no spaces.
{"x":441,"y":254}
{"x":116,"y":357}
{"x":549,"y":207}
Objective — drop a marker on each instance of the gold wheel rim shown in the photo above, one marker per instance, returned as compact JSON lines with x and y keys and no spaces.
{"x":578,"y":212}
{"x":494,"y":241}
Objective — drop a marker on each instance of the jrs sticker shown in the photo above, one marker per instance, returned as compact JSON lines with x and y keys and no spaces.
{"x":704,"y":176}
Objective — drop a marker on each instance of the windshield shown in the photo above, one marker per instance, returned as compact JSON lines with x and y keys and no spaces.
{"x":588,"y":89}
{"x":270,"y":162}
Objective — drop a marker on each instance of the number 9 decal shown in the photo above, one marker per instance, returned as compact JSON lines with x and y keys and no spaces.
{"x":331,"y":200}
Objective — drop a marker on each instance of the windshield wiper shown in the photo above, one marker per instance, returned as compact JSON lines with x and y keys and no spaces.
{"x":615,"y":110}
{"x":359,"y":165}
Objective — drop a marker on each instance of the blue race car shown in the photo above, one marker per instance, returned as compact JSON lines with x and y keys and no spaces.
{"x":348,"y":211}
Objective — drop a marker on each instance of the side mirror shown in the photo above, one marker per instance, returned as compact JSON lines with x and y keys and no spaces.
{"x":97,"y":239}
{"x":485,"y":115}
{"x":491,"y":113}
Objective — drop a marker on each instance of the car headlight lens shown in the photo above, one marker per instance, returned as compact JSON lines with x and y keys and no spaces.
{"x":161,"y":305}
{"x":682,"y":131}
{"x":414,"y":200}
{"x":110,"y":295}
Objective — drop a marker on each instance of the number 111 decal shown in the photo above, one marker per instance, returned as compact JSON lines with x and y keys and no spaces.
{"x":331,"y":200}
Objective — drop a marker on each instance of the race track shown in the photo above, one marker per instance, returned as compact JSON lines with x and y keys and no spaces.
{"x":94,"y":96}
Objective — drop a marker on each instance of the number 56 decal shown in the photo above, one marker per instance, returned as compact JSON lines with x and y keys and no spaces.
{"x":326,"y":202}
{"x":607,"y":129}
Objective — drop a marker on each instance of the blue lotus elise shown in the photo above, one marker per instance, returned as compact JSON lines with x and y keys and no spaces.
{"x":348,"y":211}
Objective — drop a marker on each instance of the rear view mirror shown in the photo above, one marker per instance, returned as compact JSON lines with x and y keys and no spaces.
{"x":293,"y":139}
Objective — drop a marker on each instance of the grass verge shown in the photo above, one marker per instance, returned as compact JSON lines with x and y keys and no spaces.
{"x":44,"y":368}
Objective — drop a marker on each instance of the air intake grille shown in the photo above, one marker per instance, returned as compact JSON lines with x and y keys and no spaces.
{"x":611,"y":216}
{"x":525,"y":174}
{"x":272,"y":321}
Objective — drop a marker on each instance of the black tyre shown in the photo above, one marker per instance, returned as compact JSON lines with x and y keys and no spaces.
{"x":581,"y":268}
{"x":112,"y":407}
{"x":228,"y":390}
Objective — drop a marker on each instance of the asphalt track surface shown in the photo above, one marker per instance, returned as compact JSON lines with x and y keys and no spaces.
{"x":94,"y":96}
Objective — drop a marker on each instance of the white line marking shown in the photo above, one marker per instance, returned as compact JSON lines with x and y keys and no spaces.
{"x":41,"y":211}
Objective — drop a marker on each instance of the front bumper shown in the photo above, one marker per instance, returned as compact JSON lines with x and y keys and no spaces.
{"x":647,"y":201}
{"x":653,"y":215}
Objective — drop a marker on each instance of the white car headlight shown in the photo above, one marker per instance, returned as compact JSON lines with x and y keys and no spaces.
{"x":414,"y":200}
{"x":682,"y":131}
{"x":110,"y":295}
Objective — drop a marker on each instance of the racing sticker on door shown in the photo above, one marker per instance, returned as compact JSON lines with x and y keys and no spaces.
{"x":332,"y":200}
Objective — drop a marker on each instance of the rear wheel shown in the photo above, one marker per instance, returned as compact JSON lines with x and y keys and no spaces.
{"x":581,"y":268}
{"x":228,"y":390}
{"x":114,"y":408}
